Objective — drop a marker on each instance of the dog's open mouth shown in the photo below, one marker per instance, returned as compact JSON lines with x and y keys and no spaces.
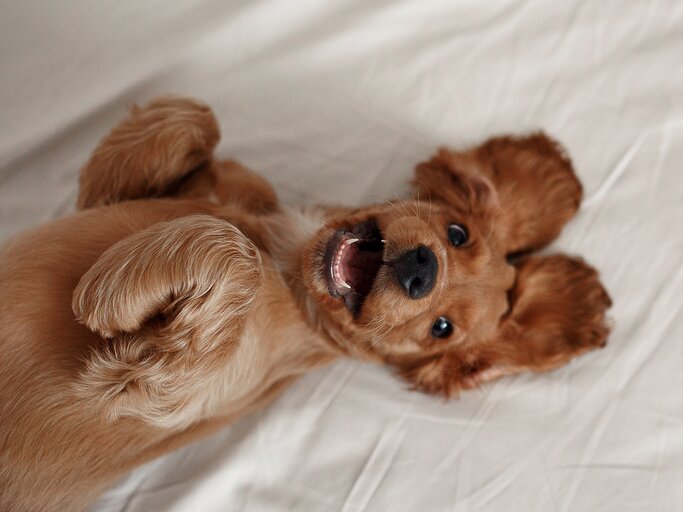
{"x":352,"y":260}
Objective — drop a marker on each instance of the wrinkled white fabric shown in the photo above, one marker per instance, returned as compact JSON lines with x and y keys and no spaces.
{"x":335,"y":101}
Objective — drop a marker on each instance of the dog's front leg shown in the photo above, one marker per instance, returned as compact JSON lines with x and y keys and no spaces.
{"x":170,"y":304}
{"x":163,"y":148}
{"x":237,"y":184}
{"x":557,"y":312}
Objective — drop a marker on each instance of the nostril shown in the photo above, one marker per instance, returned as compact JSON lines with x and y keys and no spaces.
{"x":422,"y":254}
{"x":415,"y":287}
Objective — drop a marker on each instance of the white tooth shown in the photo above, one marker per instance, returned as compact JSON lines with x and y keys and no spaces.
{"x":384,"y":241}
{"x":346,"y":285}
{"x":351,"y":241}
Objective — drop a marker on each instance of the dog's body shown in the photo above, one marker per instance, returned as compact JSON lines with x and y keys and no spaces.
{"x":200,"y":298}
{"x":44,"y":423}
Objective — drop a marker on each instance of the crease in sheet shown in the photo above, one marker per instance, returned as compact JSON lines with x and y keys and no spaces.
{"x":618,"y":170}
{"x":375,"y":469}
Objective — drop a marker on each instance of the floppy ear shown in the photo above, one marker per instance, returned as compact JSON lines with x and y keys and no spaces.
{"x":536,"y":188}
{"x":462,"y":187}
{"x":557,"y":312}
{"x":169,"y":303}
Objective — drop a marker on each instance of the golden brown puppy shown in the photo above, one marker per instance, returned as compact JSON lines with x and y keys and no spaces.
{"x":183,"y":296}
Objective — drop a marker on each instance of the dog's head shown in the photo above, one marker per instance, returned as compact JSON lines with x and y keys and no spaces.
{"x":407,"y":277}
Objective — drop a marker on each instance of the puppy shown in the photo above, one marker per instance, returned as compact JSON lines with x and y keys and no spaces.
{"x":183,"y":295}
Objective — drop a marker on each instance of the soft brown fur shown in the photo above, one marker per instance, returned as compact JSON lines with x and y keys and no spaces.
{"x":136,"y":326}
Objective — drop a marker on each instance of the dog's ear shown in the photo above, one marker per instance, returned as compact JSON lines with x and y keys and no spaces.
{"x":461,"y":186}
{"x":557,"y":312}
{"x":534,"y":182}
{"x":169,"y":303}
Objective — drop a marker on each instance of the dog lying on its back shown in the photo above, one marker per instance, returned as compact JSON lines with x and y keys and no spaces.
{"x":183,"y":295}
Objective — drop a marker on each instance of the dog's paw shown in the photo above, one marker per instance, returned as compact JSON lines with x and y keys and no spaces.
{"x":193,"y":273}
{"x":150,"y":153}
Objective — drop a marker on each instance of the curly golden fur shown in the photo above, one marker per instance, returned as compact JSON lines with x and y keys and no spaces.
{"x":183,"y":295}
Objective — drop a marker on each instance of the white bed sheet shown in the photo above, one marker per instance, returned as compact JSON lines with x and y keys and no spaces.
{"x":335,"y":101}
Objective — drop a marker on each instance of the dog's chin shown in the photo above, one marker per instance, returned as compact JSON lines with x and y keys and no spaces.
{"x":353,"y":256}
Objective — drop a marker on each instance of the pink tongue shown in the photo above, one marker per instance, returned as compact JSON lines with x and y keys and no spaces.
{"x":360,"y":268}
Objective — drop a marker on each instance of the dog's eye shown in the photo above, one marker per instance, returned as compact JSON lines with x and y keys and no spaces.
{"x":442,"y":328}
{"x":457,"y":234}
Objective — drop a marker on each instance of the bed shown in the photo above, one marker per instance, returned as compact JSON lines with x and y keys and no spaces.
{"x":336,"y":101}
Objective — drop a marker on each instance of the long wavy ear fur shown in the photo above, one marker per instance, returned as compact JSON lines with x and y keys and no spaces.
{"x":534,"y":182}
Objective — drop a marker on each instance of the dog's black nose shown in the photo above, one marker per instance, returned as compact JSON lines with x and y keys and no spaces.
{"x":416,"y":271}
